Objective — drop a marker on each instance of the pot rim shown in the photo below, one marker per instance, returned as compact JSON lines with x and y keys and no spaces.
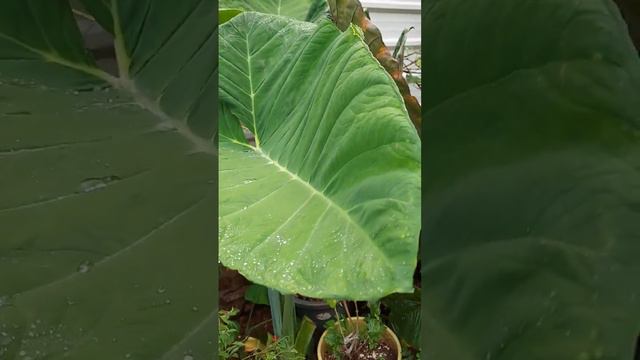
{"x":318,"y":304}
{"x":388,"y":331}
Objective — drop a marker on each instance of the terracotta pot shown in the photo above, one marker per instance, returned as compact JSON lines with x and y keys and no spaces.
{"x":388,"y":335}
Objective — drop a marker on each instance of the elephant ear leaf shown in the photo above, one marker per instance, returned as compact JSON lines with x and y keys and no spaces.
{"x":225,"y":15}
{"x":308,"y":10}
{"x":534,"y":160}
{"x":107,"y":188}
{"x":327,"y":201}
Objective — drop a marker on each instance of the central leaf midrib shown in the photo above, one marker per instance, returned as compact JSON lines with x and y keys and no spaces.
{"x":124,"y":84}
{"x":128,"y":84}
{"x":151,"y":106}
{"x":252,"y":94}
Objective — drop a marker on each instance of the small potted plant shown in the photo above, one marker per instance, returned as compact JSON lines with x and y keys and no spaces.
{"x":359,"y":338}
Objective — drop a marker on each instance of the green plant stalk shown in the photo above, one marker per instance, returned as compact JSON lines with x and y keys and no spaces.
{"x":338,"y":322}
{"x":246,"y":328}
{"x":276,"y":311}
{"x":288,"y":318}
{"x":122,"y":58}
{"x":346,"y":309}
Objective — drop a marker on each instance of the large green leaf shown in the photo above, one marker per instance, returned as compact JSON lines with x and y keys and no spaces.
{"x":309,"y":10}
{"x":327,"y":202}
{"x":532,"y":237}
{"x":225,"y":15}
{"x":107,"y":194}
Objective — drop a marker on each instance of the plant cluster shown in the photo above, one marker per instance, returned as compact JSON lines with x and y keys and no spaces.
{"x":350,"y":338}
{"x":274,"y":349}
{"x":232,"y":346}
{"x":229,"y":347}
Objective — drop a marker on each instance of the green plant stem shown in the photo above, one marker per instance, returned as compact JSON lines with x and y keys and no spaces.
{"x":346,"y":309}
{"x":357,"y":316}
{"x":258,"y":325}
{"x":289,"y":318}
{"x":122,"y":58}
{"x":276,"y":311}
{"x":246,"y":328}
{"x":338,"y":322}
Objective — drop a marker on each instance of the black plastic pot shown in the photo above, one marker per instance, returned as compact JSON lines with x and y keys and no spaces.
{"x":318,"y":312}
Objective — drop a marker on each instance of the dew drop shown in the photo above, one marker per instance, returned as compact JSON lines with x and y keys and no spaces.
{"x":5,"y":339}
{"x":5,"y":301}
{"x":84,"y":267}
{"x":92,"y":184}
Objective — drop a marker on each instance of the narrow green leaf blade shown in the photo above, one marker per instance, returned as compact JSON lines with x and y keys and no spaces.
{"x":304,"y":335}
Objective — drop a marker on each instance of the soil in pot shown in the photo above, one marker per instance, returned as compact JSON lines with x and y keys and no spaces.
{"x":362,"y":352}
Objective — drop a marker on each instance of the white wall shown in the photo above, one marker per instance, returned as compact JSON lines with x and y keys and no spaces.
{"x":393,"y":16}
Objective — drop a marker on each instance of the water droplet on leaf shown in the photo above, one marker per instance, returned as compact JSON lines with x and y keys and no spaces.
{"x":92,"y":184}
{"x":84,"y":267}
